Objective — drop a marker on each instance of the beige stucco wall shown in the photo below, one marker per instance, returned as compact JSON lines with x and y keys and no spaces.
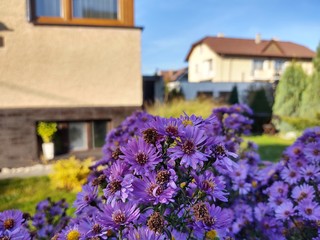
{"x":233,"y":69}
{"x":63,"y":66}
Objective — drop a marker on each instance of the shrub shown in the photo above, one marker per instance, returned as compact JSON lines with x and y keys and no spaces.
{"x":46,"y":130}
{"x":234,"y":99}
{"x":301,"y":124}
{"x":70,"y":174}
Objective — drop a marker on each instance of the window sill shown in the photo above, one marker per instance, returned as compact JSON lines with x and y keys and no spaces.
{"x":85,"y":25}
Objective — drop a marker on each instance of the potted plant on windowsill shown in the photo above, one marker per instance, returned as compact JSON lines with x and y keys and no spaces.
{"x":46,"y":131}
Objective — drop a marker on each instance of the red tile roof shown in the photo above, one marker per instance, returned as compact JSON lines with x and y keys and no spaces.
{"x":172,"y":75}
{"x":249,"y":48}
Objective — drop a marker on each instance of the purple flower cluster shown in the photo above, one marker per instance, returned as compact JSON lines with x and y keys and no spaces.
{"x":187,"y":178}
{"x":50,"y":217}
{"x":281,"y":200}
{"x":159,"y":179}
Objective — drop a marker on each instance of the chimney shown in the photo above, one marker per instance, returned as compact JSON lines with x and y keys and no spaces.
{"x":220,"y":35}
{"x":258,"y":38}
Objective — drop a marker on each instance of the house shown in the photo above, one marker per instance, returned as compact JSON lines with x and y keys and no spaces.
{"x":77,"y":63}
{"x":233,"y":61}
{"x":173,"y":78}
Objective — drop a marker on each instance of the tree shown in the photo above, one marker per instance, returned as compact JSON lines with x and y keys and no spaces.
{"x":234,"y":99}
{"x":316,"y":60}
{"x":289,"y":91}
{"x":260,"y":103}
{"x":310,"y":103}
{"x":288,"y":96}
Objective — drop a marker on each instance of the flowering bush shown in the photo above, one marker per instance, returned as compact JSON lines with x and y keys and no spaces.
{"x":186,"y":178}
{"x":70,"y":174}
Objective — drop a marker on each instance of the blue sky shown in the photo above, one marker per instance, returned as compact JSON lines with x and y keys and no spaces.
{"x":171,"y":26}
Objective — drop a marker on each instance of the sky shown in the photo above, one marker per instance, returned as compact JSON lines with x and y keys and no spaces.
{"x":170,"y":27}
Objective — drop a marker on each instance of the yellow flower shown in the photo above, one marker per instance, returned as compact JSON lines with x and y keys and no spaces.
{"x":73,"y":235}
{"x":211,"y":235}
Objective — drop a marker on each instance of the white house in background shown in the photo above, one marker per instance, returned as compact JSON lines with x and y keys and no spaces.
{"x":216,"y":64}
{"x":222,"y":59}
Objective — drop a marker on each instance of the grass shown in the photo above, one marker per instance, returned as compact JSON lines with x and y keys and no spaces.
{"x":25,"y":193}
{"x":176,"y":108}
{"x":270,"y":147}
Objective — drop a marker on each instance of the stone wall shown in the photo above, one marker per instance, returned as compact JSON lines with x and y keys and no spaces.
{"x":18,"y":138}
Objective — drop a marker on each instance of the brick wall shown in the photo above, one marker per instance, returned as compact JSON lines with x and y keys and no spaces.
{"x":18,"y":139}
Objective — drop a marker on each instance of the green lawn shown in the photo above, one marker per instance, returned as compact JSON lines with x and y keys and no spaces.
{"x":25,"y":193}
{"x":270,"y":147}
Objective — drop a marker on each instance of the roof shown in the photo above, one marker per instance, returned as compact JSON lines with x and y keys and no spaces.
{"x":173,"y":75}
{"x":249,"y":48}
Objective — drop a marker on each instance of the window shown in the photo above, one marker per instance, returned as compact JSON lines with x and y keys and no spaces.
{"x":82,"y":12}
{"x":204,"y":95}
{"x":278,"y":65}
{"x":197,"y":68}
{"x":257,"y":64}
{"x":207,"y":65}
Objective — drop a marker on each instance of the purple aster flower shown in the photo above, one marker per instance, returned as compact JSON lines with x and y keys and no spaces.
{"x":295,"y":150}
{"x":141,"y":157}
{"x":46,"y":231}
{"x":260,"y":210}
{"x":312,"y":152}
{"x":214,"y":187}
{"x":303,"y":191}
{"x":297,"y":163}
{"x":39,"y":219}
{"x":309,"y":210}
{"x":119,"y":189}
{"x":243,"y":212}
{"x":215,"y":218}
{"x":148,"y":190}
{"x":223,"y":162}
{"x":190,"y":120}
{"x":121,"y":214}
{"x":241,"y":108}
{"x":276,"y":201}
{"x":177,"y":235}
{"x":71,"y":232}
{"x":87,"y":197}
{"x":241,"y":172}
{"x":89,"y":228}
{"x":169,"y":127}
{"x":242,"y":186}
{"x":143,"y":233}
{"x":285,"y":210}
{"x":189,"y":148}
{"x":43,"y":205}
{"x":310,"y":172}
{"x":278,"y":189}
{"x":17,"y":234}
{"x":290,"y":175}
{"x":167,"y":177}
{"x":117,"y":170}
{"x":10,"y":220}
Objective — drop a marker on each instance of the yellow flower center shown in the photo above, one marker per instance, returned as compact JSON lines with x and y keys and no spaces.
{"x":187,"y":122}
{"x":254,"y":184}
{"x":211,"y":235}
{"x":73,"y":235}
